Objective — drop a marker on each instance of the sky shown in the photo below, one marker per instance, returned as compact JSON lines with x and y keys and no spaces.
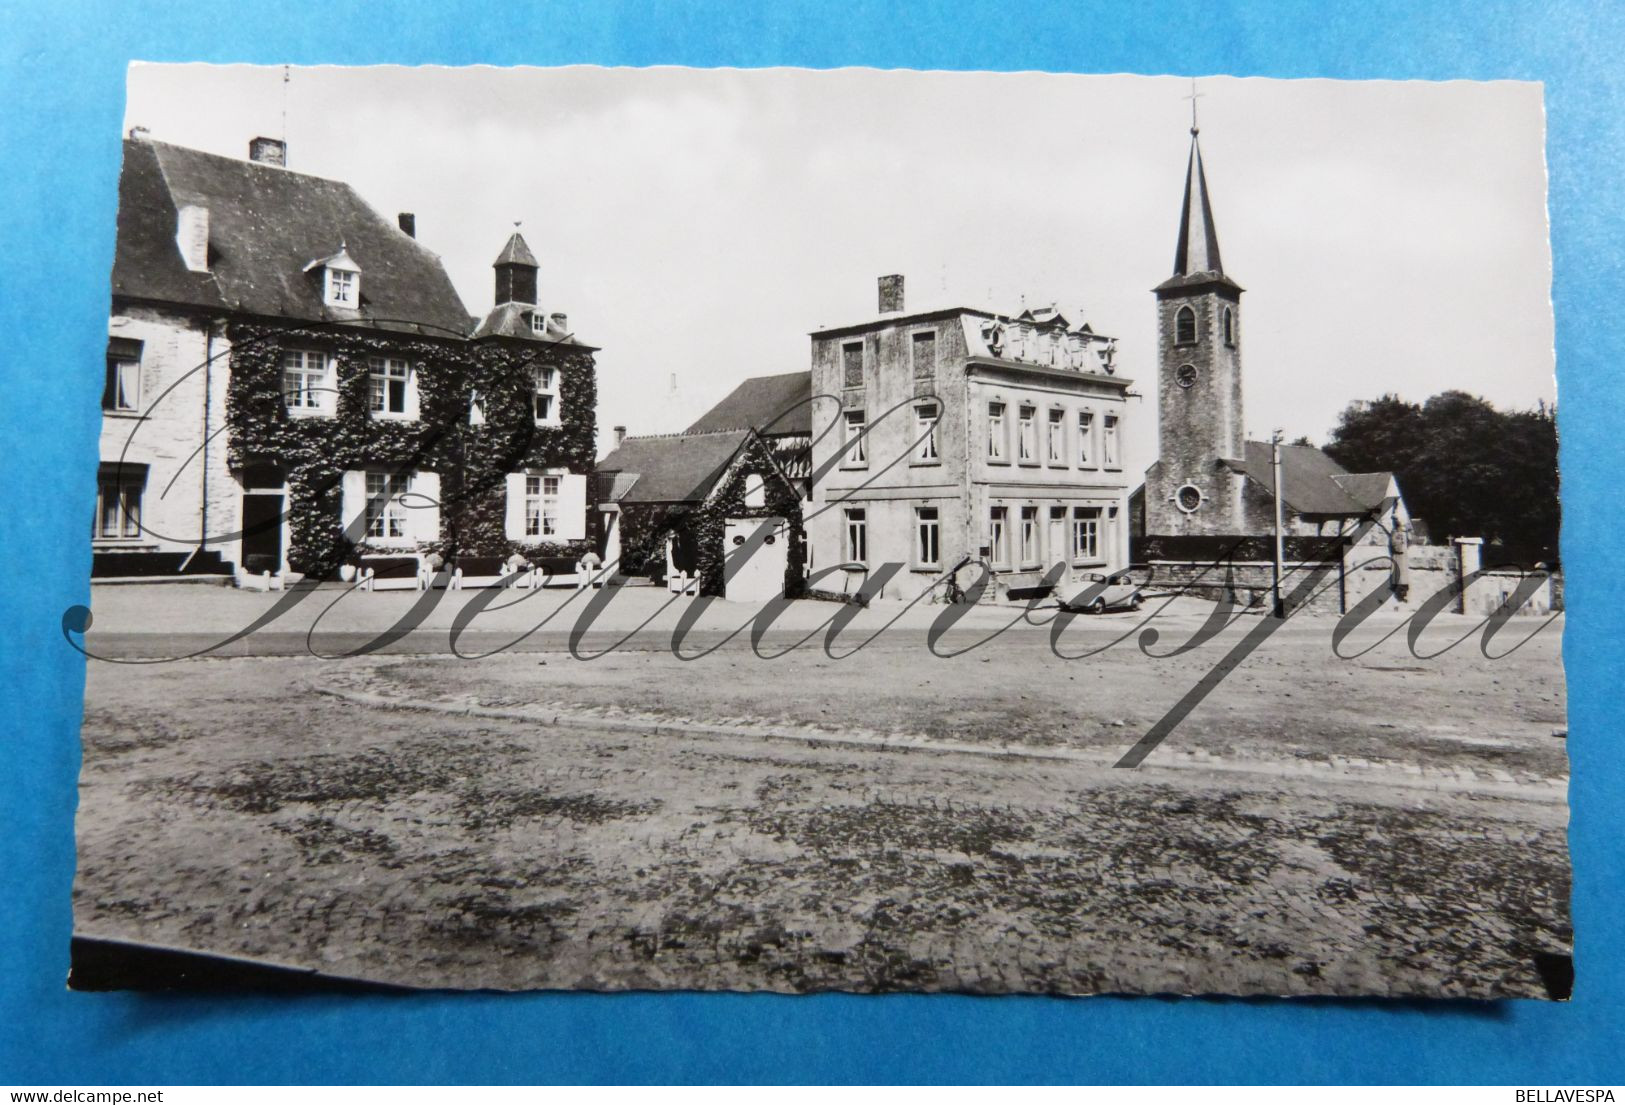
{"x":697,"y":224}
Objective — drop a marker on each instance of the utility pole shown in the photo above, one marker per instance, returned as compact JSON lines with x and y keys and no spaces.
{"x":1275,"y":471}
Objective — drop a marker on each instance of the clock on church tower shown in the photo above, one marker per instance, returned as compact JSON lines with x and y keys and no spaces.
{"x":1190,"y":490}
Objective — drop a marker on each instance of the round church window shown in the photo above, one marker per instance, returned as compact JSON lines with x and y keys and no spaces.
{"x":1188,"y":498}
{"x":1185,"y":376}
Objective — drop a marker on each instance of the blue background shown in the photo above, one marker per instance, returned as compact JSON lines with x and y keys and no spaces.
{"x":61,"y":110}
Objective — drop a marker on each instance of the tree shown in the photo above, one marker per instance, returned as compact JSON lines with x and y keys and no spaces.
{"x":1464,"y":467}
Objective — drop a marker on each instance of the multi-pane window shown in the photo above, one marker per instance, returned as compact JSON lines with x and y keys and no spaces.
{"x":995,"y":431}
{"x":1029,"y":535}
{"x":342,"y":286}
{"x":927,"y":537}
{"x":541,"y":506}
{"x":852,"y":364}
{"x":386,"y":381}
{"x":998,"y":535}
{"x":856,"y":453}
{"x":386,"y":514}
{"x":1057,"y":436}
{"x":123,"y":388}
{"x":924,"y":352}
{"x":925,"y":434}
{"x":304,"y":381}
{"x":1086,"y":533}
{"x":546,"y":394}
{"x":857,"y":535}
{"x":538,"y":324}
{"x":1026,"y":436}
{"x":1185,"y":326}
{"x":1086,"y":438}
{"x":1108,"y":441}
{"x":118,"y":503}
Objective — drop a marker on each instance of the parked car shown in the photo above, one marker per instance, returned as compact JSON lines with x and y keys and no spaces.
{"x":1103,"y":592}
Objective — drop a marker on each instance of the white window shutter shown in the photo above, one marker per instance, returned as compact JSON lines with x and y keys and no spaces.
{"x":425,"y":504}
{"x":514,"y":513}
{"x":353,"y":505}
{"x":572,"y":507}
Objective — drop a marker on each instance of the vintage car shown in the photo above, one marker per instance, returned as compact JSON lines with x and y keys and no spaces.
{"x":1105,"y":592}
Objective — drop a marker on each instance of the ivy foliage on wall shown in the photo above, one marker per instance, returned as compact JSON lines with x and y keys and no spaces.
{"x":313,"y":453}
{"x":645,"y":527}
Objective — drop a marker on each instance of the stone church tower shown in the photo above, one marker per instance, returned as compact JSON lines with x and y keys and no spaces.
{"x":1191,"y":489}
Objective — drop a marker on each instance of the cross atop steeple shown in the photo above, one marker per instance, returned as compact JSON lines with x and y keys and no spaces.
{"x":1193,"y":97}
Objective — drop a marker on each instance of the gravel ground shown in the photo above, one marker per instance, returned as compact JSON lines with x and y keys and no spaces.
{"x":1386,"y":826}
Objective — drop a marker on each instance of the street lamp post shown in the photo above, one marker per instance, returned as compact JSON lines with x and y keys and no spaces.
{"x":1275,"y":471}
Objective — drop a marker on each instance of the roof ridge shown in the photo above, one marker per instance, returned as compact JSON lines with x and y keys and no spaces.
{"x":685,"y":433}
{"x":248,"y":161}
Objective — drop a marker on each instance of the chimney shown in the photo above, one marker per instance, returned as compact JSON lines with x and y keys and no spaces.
{"x":560,"y":321}
{"x":409,"y":223}
{"x":192,"y":236}
{"x":891,"y":294}
{"x":268,"y":151}
{"x":620,"y":435}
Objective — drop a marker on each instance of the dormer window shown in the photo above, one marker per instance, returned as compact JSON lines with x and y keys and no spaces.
{"x":341,"y":280}
{"x":546,"y":380}
{"x":538,"y":324}
{"x":341,"y":288}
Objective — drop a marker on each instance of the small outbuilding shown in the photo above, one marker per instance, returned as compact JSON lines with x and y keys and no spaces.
{"x":674,"y":506}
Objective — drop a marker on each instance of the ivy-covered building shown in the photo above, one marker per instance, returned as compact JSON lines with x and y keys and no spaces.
{"x":292,"y":381}
{"x":680,"y":503}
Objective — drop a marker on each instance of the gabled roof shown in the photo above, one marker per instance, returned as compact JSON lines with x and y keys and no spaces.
{"x":1312,"y":482}
{"x":512,"y":320}
{"x":671,"y":468}
{"x":769,"y":405}
{"x":1368,"y":488}
{"x":516,"y":252}
{"x":266,"y":223}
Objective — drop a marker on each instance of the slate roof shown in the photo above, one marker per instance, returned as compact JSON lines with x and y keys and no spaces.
{"x":769,"y":405}
{"x":1312,"y":482}
{"x":1196,"y":254}
{"x":266,"y":224}
{"x":516,"y":252}
{"x":512,"y":320}
{"x":1367,"y":488}
{"x":670,"y":468}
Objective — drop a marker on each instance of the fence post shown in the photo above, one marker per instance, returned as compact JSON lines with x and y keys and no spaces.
{"x":1469,"y":558}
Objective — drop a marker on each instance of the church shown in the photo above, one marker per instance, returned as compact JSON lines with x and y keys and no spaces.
{"x":1209,"y":481}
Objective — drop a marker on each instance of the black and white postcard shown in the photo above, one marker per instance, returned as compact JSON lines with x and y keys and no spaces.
{"x":855,"y":530}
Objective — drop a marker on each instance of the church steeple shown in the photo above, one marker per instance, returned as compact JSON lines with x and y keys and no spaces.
{"x":1193,"y":488}
{"x":1198,"y":249}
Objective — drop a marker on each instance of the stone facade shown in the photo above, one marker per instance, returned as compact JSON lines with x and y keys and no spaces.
{"x":989,"y":487}
{"x":1199,"y":411}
